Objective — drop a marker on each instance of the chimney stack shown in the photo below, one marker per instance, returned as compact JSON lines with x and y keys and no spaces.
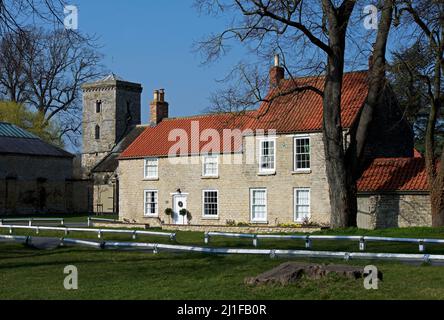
{"x":277,"y":73}
{"x":158,"y":107}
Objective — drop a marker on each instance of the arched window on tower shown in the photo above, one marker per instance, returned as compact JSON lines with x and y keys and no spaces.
{"x":97,"y":133}
{"x":98,"y":106}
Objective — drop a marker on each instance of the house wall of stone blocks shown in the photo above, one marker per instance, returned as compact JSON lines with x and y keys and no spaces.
{"x":234,"y":184}
{"x":394,"y":210}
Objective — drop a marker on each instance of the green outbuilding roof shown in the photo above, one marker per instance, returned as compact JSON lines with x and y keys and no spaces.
{"x":11,"y":131}
{"x":18,"y":141}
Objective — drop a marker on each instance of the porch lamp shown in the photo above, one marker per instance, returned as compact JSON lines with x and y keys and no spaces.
{"x":179,"y":191}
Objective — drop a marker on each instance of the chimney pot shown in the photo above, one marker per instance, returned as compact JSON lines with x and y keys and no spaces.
{"x":277,"y":73}
{"x":276,"y":61}
{"x":158,"y":107}
{"x":156,"y":95}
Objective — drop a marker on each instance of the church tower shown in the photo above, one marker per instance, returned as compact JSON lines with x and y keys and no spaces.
{"x":111,"y":109}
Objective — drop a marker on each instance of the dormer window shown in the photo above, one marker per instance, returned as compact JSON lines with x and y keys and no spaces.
{"x":98,"y":106}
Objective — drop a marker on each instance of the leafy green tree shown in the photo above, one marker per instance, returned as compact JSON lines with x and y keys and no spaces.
{"x":33,"y":122}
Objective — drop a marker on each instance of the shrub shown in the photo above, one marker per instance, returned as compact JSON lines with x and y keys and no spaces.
{"x":231,"y":223}
{"x":169,"y":211}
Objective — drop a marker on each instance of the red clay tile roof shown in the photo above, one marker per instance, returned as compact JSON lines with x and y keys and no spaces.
{"x":397,"y":174}
{"x":417,"y":154}
{"x":290,"y":113}
{"x":302,"y":112}
{"x":155,"y":141}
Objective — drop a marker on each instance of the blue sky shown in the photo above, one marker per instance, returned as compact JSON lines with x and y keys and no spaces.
{"x":150,"y":42}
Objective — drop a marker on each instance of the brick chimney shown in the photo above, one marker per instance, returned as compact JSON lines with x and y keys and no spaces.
{"x":277,"y":73}
{"x":158,"y":107}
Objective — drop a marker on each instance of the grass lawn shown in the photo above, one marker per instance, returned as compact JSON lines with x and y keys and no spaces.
{"x":32,"y":274}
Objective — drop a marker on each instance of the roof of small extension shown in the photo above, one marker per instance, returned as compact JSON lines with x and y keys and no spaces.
{"x":17,"y":141}
{"x":285,"y":110}
{"x":396,"y":174}
{"x":111,"y":162}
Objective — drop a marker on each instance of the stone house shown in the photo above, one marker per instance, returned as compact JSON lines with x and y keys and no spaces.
{"x":37,"y":177}
{"x":264,"y":167}
{"x":393,"y":192}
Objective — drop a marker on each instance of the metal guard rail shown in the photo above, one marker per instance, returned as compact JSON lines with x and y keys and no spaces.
{"x":100,"y":232}
{"x":156,"y":248}
{"x":31,"y":220}
{"x":363,"y":240}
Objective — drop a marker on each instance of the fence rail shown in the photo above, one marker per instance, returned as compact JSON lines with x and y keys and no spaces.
{"x":31,"y":220}
{"x":100,"y":232}
{"x":362,"y":240}
{"x":156,"y":248}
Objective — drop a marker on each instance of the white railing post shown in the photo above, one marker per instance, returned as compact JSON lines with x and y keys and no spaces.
{"x":155,"y":250}
{"x":134,"y":235}
{"x":273,"y":254}
{"x":30,"y":222}
{"x":89,"y":221}
{"x":362,"y":244}
{"x":173,"y":237}
{"x":255,"y":241}
{"x":37,"y":230}
{"x":63,"y":222}
{"x":308,"y":242}
{"x":99,"y":234}
{"x":10,"y":230}
{"x":421,"y":246}
{"x":206,"y":238}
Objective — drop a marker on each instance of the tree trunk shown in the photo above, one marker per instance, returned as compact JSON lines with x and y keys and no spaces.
{"x":342,"y":192}
{"x":437,"y":195}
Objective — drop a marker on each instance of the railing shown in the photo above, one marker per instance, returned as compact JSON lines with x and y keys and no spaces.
{"x":156,"y":248}
{"x":362,"y":240}
{"x":30,"y":221}
{"x":100,"y":232}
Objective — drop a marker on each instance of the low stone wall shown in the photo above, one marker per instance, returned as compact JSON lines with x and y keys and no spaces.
{"x":250,"y":229}
{"x":115,"y":225}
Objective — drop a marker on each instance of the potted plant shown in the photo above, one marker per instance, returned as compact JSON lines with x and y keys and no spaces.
{"x":169,"y":212}
{"x":189,"y":217}
{"x":185,"y":213}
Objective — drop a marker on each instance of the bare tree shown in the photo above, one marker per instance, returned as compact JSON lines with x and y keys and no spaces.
{"x":45,"y":70}
{"x":18,"y":14}
{"x":320,"y":28}
{"x":428,"y":15}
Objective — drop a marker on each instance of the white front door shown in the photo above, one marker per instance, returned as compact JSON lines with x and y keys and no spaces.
{"x":179,"y":203}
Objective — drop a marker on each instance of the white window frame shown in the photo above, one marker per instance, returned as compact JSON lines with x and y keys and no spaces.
{"x":145,"y":213}
{"x":145,"y":171}
{"x":203,"y":204}
{"x":255,"y":220}
{"x":295,"y":165}
{"x":296,"y":205}
{"x":261,"y":169}
{"x":204,"y":159}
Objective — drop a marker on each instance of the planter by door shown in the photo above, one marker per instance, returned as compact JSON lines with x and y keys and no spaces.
{"x":180,"y":202}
